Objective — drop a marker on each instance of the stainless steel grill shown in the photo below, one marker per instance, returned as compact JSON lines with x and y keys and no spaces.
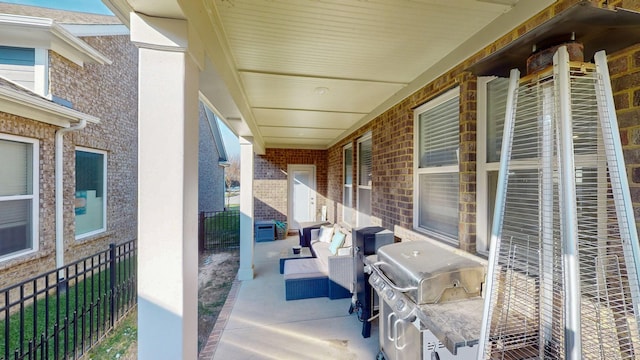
{"x":427,"y":292}
{"x":563,"y":267}
{"x":430,"y":274}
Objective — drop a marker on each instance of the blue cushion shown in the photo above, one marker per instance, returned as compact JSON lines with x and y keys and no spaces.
{"x":336,"y":242}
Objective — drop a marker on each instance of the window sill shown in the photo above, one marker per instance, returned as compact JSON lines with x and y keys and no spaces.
{"x":23,"y":257}
{"x":94,"y":237}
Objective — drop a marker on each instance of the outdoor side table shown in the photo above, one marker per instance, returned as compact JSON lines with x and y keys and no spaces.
{"x":265,"y":230}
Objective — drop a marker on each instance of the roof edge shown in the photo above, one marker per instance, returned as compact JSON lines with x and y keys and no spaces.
{"x":59,"y":39}
{"x":39,"y":109}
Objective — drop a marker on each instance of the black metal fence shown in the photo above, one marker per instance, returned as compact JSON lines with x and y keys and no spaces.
{"x":63,"y":313}
{"x":219,"y":230}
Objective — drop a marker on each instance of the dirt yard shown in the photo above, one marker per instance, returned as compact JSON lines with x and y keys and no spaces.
{"x":215,"y":276}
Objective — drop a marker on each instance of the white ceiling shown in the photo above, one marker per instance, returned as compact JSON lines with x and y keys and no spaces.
{"x":304,"y":73}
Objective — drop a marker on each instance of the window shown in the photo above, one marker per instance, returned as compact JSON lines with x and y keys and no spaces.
{"x":91,"y":192}
{"x":347,"y":187}
{"x":492,"y":102}
{"x":436,"y":166}
{"x":364,"y":180}
{"x":18,"y":196}
{"x":28,"y":67}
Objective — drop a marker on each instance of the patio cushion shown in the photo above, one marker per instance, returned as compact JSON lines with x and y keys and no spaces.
{"x":325,"y":233}
{"x":322,"y":253}
{"x":336,"y":242}
{"x":304,"y":268}
{"x":304,"y":279}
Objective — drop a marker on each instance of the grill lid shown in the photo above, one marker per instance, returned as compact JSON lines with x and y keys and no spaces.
{"x":436,"y":274}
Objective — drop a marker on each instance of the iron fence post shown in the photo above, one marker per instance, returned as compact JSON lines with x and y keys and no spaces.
{"x":112,"y":282}
{"x":201,"y":231}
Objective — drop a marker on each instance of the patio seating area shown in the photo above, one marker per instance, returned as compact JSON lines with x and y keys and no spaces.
{"x":261,"y":324}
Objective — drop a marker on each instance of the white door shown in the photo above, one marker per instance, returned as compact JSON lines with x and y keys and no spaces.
{"x":302,"y":194}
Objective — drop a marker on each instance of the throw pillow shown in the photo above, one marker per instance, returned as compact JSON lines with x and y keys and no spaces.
{"x":336,"y":242}
{"x":325,"y":233}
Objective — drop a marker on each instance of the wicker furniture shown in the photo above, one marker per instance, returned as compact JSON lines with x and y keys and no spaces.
{"x":337,"y":270}
{"x":305,"y":278}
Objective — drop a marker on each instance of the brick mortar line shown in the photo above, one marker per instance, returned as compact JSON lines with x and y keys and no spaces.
{"x":209,"y":348}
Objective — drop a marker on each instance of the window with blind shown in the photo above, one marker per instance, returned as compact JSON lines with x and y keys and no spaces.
{"x":347,"y":188}
{"x":91,"y":191}
{"x":492,"y":102}
{"x":364,"y":180}
{"x":436,"y":166}
{"x":18,"y":196}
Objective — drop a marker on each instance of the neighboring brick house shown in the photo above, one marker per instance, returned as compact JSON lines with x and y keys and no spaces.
{"x":57,"y":68}
{"x":212,"y":162}
{"x":389,"y":140}
{"x":62,"y":70}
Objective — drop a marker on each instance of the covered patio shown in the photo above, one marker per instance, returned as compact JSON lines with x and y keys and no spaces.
{"x":333,"y":88}
{"x":257,"y":322}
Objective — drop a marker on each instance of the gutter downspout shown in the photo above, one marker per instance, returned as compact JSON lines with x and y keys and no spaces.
{"x":59,"y":193}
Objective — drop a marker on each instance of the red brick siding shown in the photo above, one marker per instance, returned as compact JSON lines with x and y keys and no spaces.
{"x":108,"y":92}
{"x":624,"y":69}
{"x":270,"y":180}
{"x":467,"y":207}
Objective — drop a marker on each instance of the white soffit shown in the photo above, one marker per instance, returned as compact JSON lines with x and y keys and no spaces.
{"x":306,"y":118}
{"x":96,"y":29}
{"x":298,"y":143}
{"x":311,"y":64}
{"x":310,"y":68}
{"x":378,"y":40}
{"x":295,"y":92}
{"x":293,"y":133}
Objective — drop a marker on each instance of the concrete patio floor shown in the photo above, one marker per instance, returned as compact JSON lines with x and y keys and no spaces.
{"x":260,"y":324}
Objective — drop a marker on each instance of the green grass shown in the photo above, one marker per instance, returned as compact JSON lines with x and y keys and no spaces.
{"x":118,"y":341}
{"x":224,"y":221}
{"x":222,"y":229}
{"x":92,"y":319}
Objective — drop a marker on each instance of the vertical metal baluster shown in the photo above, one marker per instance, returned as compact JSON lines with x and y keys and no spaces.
{"x":56,"y":341}
{"x":6,"y":324}
{"x":21,"y":319}
{"x":66,"y":335}
{"x":35,"y":312}
{"x":46,"y":312}
{"x":43,"y":347}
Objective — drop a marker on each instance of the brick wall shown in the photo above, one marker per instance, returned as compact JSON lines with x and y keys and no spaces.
{"x":108,"y":92}
{"x":44,"y":259}
{"x":392,"y":135}
{"x":270,"y":180}
{"x":624,"y":69}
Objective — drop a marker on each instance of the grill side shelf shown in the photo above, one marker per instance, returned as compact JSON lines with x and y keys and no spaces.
{"x":455,"y":323}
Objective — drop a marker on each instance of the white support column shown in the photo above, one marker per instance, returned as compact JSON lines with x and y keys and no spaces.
{"x":167,"y":189}
{"x":246,"y":210}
